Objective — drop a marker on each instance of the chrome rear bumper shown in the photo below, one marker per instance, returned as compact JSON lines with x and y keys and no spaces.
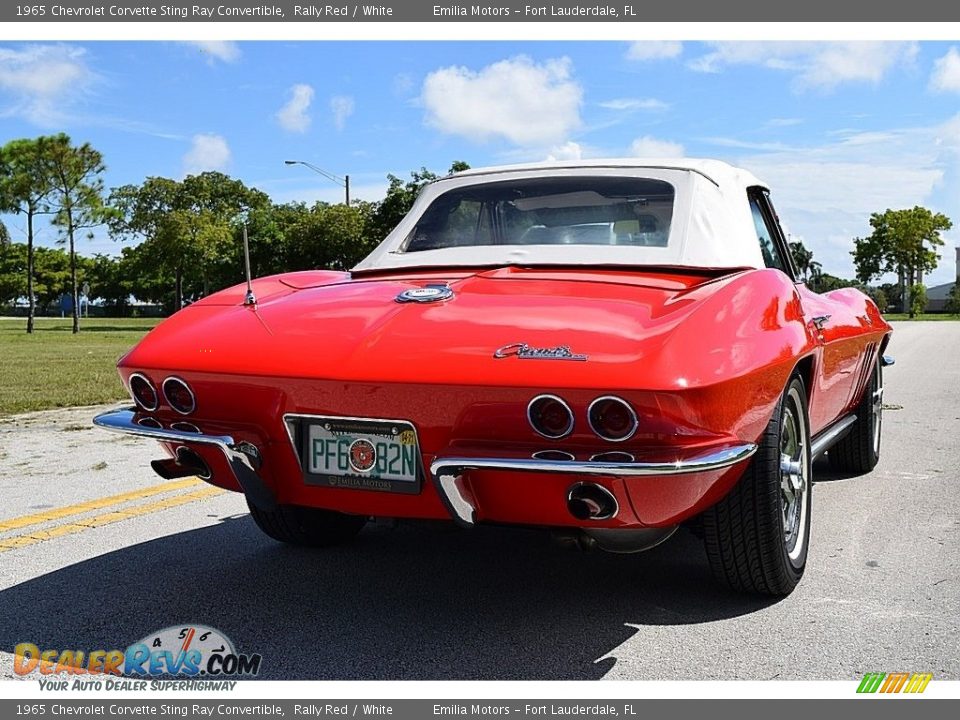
{"x":447,"y":472}
{"x":122,"y":421}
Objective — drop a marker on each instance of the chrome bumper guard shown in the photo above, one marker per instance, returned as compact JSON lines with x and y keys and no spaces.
{"x":448,"y":472}
{"x":122,"y":421}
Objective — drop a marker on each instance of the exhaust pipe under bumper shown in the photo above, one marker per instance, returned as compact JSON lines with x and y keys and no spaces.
{"x":589,"y":501}
{"x":187,"y":464}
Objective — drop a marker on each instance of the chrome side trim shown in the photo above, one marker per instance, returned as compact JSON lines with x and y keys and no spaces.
{"x":122,"y":421}
{"x":447,"y":471}
{"x":822,"y":442}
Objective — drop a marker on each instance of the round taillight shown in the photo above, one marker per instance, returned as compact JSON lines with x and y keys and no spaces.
{"x":179,"y":395}
{"x":550,"y":416}
{"x":143,"y":392}
{"x":612,"y":418}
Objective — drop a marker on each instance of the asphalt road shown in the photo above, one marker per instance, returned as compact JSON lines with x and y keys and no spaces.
{"x":427,"y":601}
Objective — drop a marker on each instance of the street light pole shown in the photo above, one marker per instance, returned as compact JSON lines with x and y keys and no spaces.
{"x":344,"y":181}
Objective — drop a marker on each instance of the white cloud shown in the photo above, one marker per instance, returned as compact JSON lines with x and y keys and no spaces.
{"x":568,"y":151}
{"x":654,"y":50}
{"x":223,"y":50}
{"x":826,"y":193}
{"x":651,"y":147}
{"x":293,"y":116}
{"x":525,"y":102}
{"x":207,"y":152}
{"x":44,"y":81}
{"x":342,"y":107}
{"x":813,"y":64}
{"x":634,"y":104}
{"x":946,"y":72}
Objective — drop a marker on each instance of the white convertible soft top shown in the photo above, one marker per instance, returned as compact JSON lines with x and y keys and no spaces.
{"x":712,"y":225}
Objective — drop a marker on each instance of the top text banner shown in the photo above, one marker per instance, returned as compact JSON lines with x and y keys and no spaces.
{"x":502,"y":11}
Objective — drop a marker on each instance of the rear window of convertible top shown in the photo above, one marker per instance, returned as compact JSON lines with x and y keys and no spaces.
{"x":548,"y":211}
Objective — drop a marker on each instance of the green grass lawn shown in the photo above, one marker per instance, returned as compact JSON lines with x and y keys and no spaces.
{"x":927,"y":317}
{"x":55,"y":368}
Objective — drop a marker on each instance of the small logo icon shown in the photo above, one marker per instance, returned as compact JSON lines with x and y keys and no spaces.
{"x":898,"y":682}
{"x":524,"y":352}
{"x":363,"y":455}
{"x":430,"y":293}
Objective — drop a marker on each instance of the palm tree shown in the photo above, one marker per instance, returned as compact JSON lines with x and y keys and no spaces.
{"x":802,"y":258}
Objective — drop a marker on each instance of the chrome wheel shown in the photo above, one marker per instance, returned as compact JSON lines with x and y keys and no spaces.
{"x":794,"y":474}
{"x":876,"y":407}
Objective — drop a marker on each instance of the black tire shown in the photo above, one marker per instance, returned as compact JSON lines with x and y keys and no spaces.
{"x":745,"y":534}
{"x":310,"y":527}
{"x":859,"y":450}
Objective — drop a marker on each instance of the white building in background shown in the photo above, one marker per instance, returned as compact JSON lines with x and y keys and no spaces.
{"x":938,"y":294}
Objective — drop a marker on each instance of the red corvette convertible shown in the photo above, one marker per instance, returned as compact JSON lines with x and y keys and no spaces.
{"x":607,"y":349}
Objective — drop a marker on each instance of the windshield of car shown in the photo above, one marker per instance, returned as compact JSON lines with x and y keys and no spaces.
{"x":548,"y":211}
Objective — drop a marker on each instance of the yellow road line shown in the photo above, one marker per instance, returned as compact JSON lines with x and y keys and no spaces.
{"x":80,"y":508}
{"x":39,"y":536}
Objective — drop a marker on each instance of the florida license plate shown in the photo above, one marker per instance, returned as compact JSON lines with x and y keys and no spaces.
{"x":361,"y":454}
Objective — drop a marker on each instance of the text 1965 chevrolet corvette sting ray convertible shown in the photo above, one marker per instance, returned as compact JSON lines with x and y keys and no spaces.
{"x":607,"y":349}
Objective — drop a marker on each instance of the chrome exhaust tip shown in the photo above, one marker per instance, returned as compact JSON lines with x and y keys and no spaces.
{"x":589,"y":501}
{"x":188,"y":463}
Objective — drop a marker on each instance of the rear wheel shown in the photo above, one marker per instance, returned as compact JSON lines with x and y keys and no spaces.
{"x":859,"y":450}
{"x":757,"y":536}
{"x":311,"y":527}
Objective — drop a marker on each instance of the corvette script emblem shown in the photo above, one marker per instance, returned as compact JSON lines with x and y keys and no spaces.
{"x":524,"y":352}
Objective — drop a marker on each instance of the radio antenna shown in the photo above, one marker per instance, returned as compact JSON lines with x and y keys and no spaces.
{"x":250,"y":299}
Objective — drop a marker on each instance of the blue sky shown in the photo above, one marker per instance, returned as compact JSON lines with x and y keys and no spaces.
{"x":839,"y":130}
